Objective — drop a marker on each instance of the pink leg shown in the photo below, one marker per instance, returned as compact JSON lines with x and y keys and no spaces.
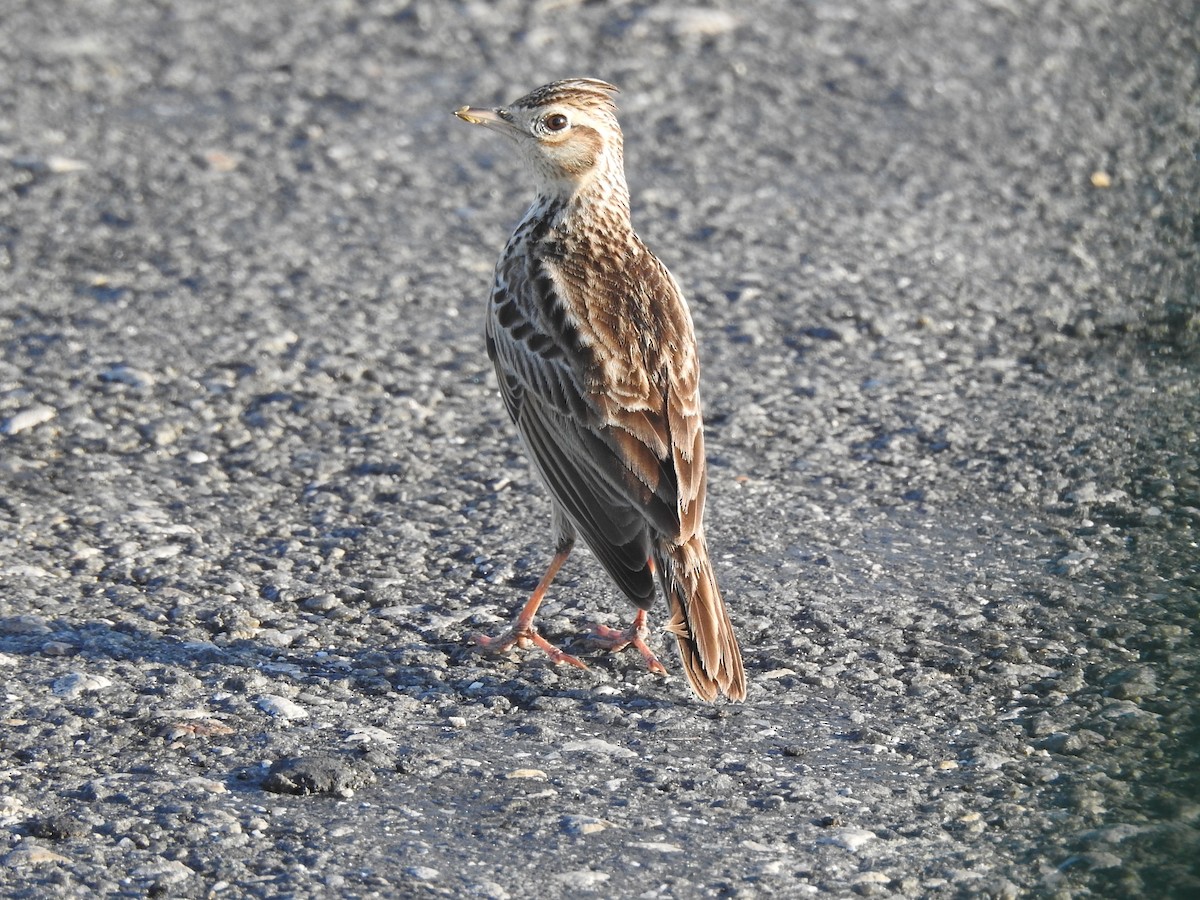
{"x":614,"y":639}
{"x":521,"y":632}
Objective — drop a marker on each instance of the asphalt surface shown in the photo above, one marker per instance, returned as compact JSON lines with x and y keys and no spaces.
{"x":257,"y":488}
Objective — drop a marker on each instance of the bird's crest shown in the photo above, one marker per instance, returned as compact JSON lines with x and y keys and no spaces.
{"x":579,"y":92}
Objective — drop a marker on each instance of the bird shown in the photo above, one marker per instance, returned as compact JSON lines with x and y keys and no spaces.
{"x":595,"y":353}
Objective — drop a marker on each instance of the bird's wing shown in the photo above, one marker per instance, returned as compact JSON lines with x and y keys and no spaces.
{"x":649,"y":397}
{"x":608,"y":465}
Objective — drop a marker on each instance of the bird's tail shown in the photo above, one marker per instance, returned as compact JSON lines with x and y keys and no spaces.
{"x":707,"y":644}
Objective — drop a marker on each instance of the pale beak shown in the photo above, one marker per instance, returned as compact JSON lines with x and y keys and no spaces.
{"x":490,"y":118}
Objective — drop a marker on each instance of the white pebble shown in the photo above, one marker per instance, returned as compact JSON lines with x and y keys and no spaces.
{"x":281,"y":707}
{"x":77,"y":683}
{"x":26,"y":419}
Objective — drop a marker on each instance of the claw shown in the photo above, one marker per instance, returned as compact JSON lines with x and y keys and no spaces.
{"x":524,"y":636}
{"x":615,"y":639}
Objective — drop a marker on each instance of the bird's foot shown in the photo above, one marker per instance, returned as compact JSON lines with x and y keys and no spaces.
{"x":524,"y":635}
{"x":614,"y":639}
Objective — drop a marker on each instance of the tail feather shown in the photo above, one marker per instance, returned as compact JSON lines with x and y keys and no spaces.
{"x":699,"y":621}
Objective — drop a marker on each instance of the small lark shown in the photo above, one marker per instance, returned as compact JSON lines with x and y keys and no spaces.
{"x":594,"y":350}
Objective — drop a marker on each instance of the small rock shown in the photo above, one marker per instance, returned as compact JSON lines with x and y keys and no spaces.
{"x":12,"y":810}
{"x":422,"y":873}
{"x":59,"y":828}
{"x":489,"y":890}
{"x":580,"y":825}
{"x":759,"y":847}
{"x":1115,"y":834}
{"x":163,"y":872}
{"x":219,"y":160}
{"x":64,"y":165}
{"x":870,"y":878}
{"x":581,"y":879}
{"x":850,"y":838}
{"x":303,"y":775}
{"x":526,"y":773}
{"x":281,"y":707}
{"x":27,"y":571}
{"x":26,"y":419}
{"x":24,"y":625}
{"x":989,"y":761}
{"x":702,"y":22}
{"x":1068,"y":742}
{"x":595,"y":745}
{"x":659,"y":846}
{"x":1098,"y":860}
{"x":320,"y":603}
{"x":205,"y":785}
{"x":58,"y":648}
{"x":128,"y":375}
{"x":1133,"y":683}
{"x":77,"y":683}
{"x":1085,"y":493}
{"x":32,"y":855}
{"x":365,"y":735}
{"x":1002,"y":889}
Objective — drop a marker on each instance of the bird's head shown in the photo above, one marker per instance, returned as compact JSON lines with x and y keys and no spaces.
{"x":567,"y":130}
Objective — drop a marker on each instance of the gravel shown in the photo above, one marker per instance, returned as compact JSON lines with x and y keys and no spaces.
{"x":256,"y":488}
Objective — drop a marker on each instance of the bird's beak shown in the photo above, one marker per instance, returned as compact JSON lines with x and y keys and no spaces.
{"x":490,"y":118}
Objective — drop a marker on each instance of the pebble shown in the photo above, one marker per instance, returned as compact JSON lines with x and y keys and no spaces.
{"x":369,"y":734}
{"x":78,"y":683}
{"x":129,"y":376}
{"x":304,"y":775}
{"x":759,"y":847}
{"x":163,"y":872}
{"x":595,"y":745}
{"x":26,"y":624}
{"x":32,"y":855}
{"x":850,"y":838}
{"x":526,"y":773}
{"x":870,"y":878}
{"x":422,"y":873}
{"x":1132,"y":683}
{"x":490,"y":890}
{"x":28,"y":571}
{"x":58,"y":648}
{"x":657,"y":846}
{"x":320,"y":603}
{"x":581,"y":879}
{"x":12,"y":809}
{"x":26,"y":419}
{"x":59,"y":828}
{"x":281,"y":707}
{"x":580,"y":825}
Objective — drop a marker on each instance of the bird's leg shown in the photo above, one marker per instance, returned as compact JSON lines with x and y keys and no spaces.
{"x":614,"y":639}
{"x":521,"y":632}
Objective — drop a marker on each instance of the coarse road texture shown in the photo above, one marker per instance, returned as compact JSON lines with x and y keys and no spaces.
{"x":257,"y":487}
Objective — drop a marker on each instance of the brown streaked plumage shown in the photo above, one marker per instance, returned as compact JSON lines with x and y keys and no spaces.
{"x":596,"y":358}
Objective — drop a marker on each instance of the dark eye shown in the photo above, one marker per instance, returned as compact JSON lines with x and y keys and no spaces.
{"x":555,"y":122}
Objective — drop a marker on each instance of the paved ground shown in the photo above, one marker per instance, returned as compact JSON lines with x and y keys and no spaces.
{"x":256,"y":485}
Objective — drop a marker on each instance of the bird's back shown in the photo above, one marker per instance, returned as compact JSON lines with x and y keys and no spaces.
{"x":594,"y":351}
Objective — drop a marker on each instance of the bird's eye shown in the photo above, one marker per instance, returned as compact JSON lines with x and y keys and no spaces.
{"x":555,"y":122}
